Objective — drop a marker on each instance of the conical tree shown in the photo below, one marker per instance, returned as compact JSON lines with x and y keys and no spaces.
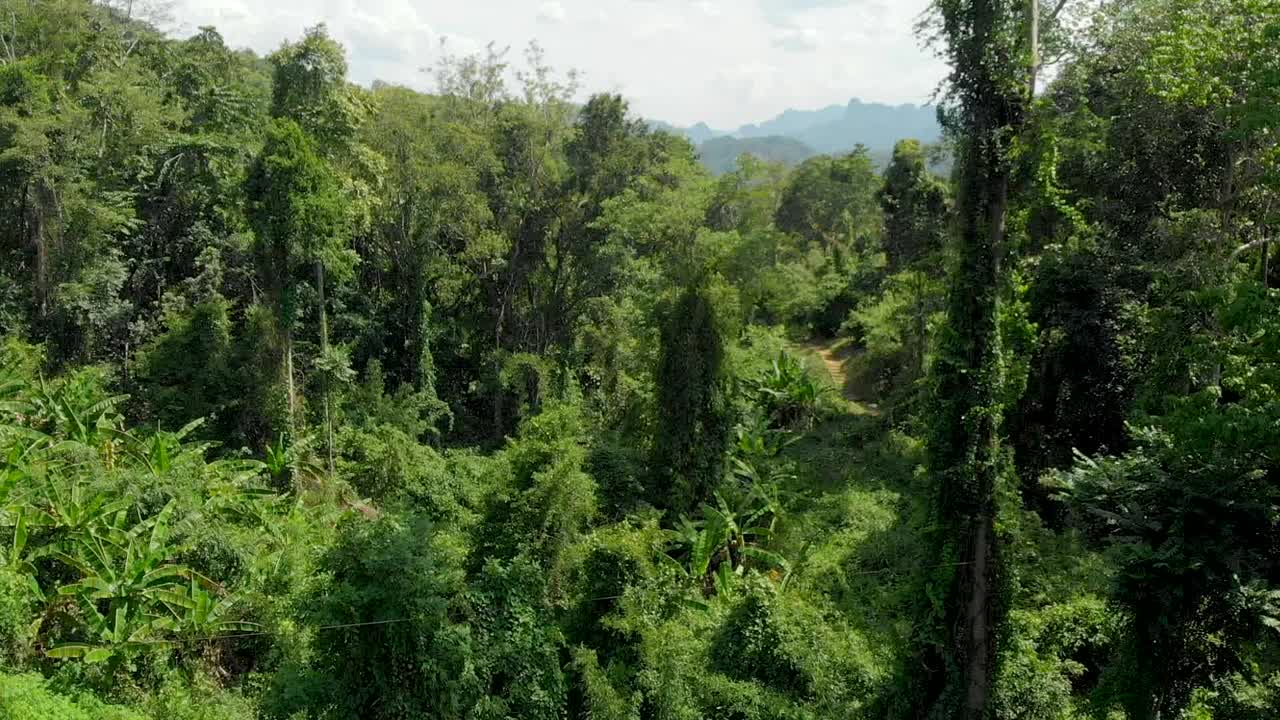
{"x":692,"y":435}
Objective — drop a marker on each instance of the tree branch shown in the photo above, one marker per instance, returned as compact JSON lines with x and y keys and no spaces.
{"x":1057,"y":11}
{"x":1235,"y":255}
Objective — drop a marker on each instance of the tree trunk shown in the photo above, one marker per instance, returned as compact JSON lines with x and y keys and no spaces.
{"x":33,"y":216}
{"x":965,"y":444}
{"x":324,"y":353}
{"x":975,"y":615}
{"x":286,"y":337}
{"x":922,"y":327}
{"x":1266,"y":265}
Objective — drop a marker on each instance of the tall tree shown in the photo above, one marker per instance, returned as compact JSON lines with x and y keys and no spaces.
{"x":309,"y":87}
{"x":986,"y":43}
{"x":831,"y":201}
{"x":915,"y":228}
{"x":693,"y":414}
{"x":295,"y":206}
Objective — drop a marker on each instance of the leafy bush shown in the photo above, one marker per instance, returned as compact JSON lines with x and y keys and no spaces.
{"x":396,"y":653}
{"x":198,"y":698}
{"x":1031,"y":685}
{"x":384,"y":463}
{"x":28,"y":697}
{"x":752,"y":645}
{"x":546,"y":500}
{"x":177,"y":390}
{"x":788,"y":644}
{"x":1238,"y":697}
{"x":788,"y":394}
{"x":603,"y":568}
{"x":619,"y":474}
{"x":601,"y":699}
{"x":519,"y":648}
{"x":17,"y":610}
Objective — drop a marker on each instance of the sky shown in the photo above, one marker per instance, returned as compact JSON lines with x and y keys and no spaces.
{"x":724,"y":62}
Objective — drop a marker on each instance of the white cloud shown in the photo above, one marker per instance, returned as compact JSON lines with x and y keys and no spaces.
{"x":710,"y":9}
{"x":797,"y":39}
{"x":727,"y":62}
{"x":551,"y":12}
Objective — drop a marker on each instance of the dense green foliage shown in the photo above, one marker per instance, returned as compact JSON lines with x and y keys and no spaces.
{"x":322,"y":401}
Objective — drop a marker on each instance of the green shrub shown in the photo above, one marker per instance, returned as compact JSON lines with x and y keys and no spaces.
{"x":17,"y":611}
{"x":177,"y":390}
{"x":603,"y":567}
{"x":619,"y":474}
{"x":383,"y":462}
{"x":1240,"y":698}
{"x":538,"y":509}
{"x":601,"y":699}
{"x":397,"y":655}
{"x":722,"y":697}
{"x":201,"y":700}
{"x":520,"y":651}
{"x":28,"y":697}
{"x":798,"y":647}
{"x":1029,"y":684}
{"x":752,"y":645}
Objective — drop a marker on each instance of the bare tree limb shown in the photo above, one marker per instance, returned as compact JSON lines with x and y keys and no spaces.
{"x":1260,"y":242}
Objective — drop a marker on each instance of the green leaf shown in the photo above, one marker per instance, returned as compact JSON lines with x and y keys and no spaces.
{"x":770,"y":558}
{"x":19,"y":537}
{"x":68,"y":650}
{"x":175,"y":598}
{"x":97,"y":655}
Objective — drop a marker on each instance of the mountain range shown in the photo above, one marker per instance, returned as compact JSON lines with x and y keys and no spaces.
{"x":797,"y":135}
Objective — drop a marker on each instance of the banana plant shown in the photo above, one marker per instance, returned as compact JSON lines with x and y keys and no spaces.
{"x":788,"y":393}
{"x":77,"y":514}
{"x":131,"y":575}
{"x":118,"y":635}
{"x":287,"y":466}
{"x":21,"y":563}
{"x":754,"y":438}
{"x":157,"y":453}
{"x":199,"y":614}
{"x":718,"y":546}
{"x":72,"y":413}
{"x":233,"y":490}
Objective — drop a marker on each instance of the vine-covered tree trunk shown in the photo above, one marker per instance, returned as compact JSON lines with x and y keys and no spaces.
{"x":967,"y":443}
{"x":324,"y":352}
{"x":965,"y":447}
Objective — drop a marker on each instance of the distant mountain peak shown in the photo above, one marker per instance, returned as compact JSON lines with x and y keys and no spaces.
{"x":829,"y":130}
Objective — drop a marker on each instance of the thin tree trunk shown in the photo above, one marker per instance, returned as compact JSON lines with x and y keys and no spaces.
{"x":286,"y":336}
{"x":324,"y":352}
{"x":1035,"y":48}
{"x":1266,"y":265}
{"x":33,"y":212}
{"x":921,"y":327}
{"x":499,"y":412}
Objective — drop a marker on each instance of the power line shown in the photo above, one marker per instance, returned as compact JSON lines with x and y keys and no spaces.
{"x":322,"y":627}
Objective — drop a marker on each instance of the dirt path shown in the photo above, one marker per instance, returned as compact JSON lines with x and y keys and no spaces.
{"x":835,"y":366}
{"x":834,"y":359}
